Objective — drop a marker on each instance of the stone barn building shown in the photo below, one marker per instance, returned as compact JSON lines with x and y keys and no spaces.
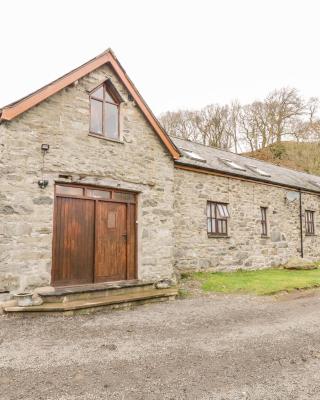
{"x":94,"y":191}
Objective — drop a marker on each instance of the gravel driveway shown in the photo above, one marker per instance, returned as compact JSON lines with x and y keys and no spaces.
{"x":213,"y":347}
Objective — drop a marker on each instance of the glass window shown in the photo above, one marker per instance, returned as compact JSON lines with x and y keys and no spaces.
{"x":309,"y":218}
{"x":258,"y":170}
{"x":104,"y":113}
{"x":98,"y":194}
{"x":222,"y":211}
{"x":96,"y":117}
{"x":217,"y":218}
{"x":111,"y":120}
{"x":264,"y":227}
{"x":123,"y":196}
{"x":232,"y":164}
{"x":192,"y":155}
{"x":98,"y":94}
{"x":69,"y":190}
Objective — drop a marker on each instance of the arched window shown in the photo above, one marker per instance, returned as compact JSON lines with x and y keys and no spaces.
{"x":104,"y":111}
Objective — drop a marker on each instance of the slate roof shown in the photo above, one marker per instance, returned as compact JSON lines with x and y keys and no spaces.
{"x":212,"y":159}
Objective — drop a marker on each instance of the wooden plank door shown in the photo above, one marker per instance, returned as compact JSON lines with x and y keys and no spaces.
{"x":73,"y":247}
{"x":111,"y":242}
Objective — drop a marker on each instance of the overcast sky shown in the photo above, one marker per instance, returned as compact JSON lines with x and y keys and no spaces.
{"x":179,"y":53}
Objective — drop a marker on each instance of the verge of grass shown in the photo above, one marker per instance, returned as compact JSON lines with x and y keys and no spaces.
{"x":260,"y":282}
{"x":183,"y":293}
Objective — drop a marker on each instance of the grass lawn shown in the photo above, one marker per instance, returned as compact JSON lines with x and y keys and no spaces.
{"x":260,"y":282}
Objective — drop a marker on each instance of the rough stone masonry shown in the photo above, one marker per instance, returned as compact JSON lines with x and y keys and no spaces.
{"x":172,"y":233}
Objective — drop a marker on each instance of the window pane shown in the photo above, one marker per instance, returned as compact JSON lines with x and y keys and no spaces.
{"x":224,"y":226}
{"x":309,"y":216}
{"x":209,"y":225}
{"x":69,"y":190}
{"x":98,"y":194}
{"x":96,"y":116}
{"x":213,"y":225}
{"x":123,"y":196}
{"x":111,"y":121}
{"x":208,"y":210}
{"x":108,"y":97}
{"x":222,"y":211}
{"x":264,"y":228}
{"x":98,"y":94}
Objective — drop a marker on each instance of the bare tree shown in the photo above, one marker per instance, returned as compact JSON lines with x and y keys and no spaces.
{"x":282,"y":115}
{"x":283,"y":106}
{"x":212,"y":123}
{"x":180,"y":123}
{"x":233,"y":127}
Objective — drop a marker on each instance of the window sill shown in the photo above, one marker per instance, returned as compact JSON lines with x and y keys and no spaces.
{"x":265,"y":237}
{"x":210,"y":235}
{"x":105,"y":138}
{"x":311,"y":234}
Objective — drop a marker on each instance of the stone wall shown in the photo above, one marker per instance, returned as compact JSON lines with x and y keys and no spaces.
{"x":171,"y":204}
{"x":138,"y":162}
{"x":244,"y":247}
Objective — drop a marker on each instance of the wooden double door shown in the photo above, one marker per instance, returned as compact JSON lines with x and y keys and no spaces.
{"x":94,"y":235}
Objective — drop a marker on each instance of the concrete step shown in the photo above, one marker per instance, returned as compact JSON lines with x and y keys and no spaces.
{"x":99,"y":302}
{"x":93,"y":291}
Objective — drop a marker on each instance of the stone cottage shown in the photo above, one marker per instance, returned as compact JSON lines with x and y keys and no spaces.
{"x":93,"y":190}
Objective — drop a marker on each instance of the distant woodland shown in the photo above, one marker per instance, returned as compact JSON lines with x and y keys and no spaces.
{"x":283,"y":128}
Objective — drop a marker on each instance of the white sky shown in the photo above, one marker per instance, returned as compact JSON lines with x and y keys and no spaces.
{"x":179,"y":53}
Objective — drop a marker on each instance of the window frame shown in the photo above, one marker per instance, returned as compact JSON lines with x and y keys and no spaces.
{"x":310,"y":222}
{"x":109,"y":90}
{"x":213,"y":206}
{"x":264,"y":221}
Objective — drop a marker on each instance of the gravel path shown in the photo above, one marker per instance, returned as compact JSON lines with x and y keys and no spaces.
{"x":213,"y":347}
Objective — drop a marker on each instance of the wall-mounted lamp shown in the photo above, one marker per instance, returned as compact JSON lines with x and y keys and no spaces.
{"x":43,"y":183}
{"x":45,"y":147}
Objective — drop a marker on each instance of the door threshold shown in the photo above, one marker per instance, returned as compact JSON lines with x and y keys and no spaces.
{"x":95,"y":287}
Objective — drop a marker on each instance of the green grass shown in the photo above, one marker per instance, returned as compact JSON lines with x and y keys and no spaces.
{"x":260,"y":282}
{"x":183,"y":293}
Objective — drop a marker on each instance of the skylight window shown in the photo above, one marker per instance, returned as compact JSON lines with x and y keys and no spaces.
{"x":232,"y":164}
{"x":258,"y":170}
{"x":194,"y":156}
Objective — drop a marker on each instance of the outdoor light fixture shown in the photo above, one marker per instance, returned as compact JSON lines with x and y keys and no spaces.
{"x":43,"y":183}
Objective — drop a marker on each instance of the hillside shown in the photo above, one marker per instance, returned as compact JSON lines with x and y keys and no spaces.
{"x":299,"y":156}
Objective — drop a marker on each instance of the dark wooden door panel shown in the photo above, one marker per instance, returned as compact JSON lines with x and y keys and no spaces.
{"x":131,"y":243}
{"x":94,"y":235}
{"x":111,"y":242}
{"x":74,"y":241}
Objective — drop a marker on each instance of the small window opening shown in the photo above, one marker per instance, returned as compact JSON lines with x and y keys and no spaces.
{"x":104,"y":112}
{"x":217,"y":219}
{"x":264,"y":223}
{"x":309,"y":219}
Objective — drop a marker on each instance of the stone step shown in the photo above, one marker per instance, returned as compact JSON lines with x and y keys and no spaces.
{"x":87,"y":292}
{"x":99,"y":302}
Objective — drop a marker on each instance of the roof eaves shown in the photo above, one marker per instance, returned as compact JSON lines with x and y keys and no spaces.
{"x":244,"y":177}
{"x":252,"y":159}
